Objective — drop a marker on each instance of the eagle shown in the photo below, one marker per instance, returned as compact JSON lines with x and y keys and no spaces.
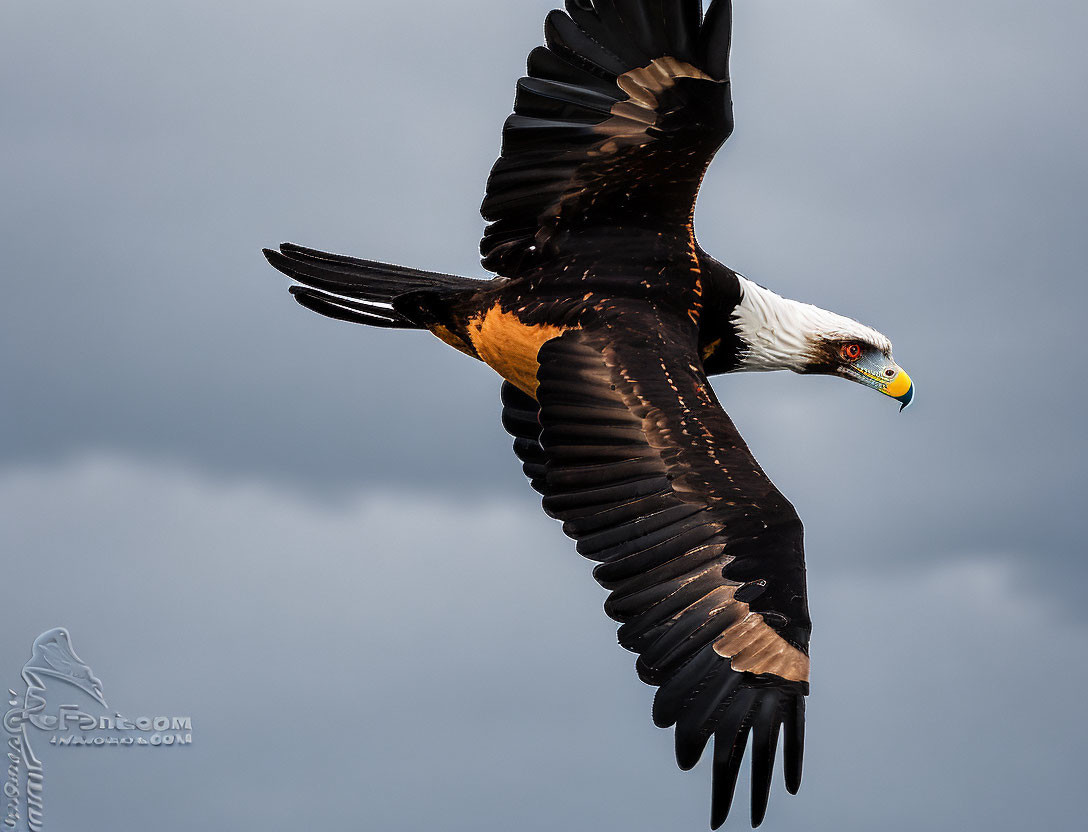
{"x":605,"y":319}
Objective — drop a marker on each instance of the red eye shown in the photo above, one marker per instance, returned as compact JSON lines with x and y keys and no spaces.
{"x":851,"y":352}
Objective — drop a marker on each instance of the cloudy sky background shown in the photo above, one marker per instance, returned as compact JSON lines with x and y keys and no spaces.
{"x":299,"y":531}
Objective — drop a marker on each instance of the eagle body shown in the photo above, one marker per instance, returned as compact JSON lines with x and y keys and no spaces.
{"x":504,"y":322}
{"x":605,"y":320}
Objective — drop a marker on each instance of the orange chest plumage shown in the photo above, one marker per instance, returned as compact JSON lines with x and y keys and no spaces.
{"x":509,"y":345}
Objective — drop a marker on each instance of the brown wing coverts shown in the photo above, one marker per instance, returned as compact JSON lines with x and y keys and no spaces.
{"x":701,"y":553}
{"x":614,"y":126}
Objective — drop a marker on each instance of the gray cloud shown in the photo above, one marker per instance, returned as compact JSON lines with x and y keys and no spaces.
{"x":917,"y":166}
{"x":403,"y":662}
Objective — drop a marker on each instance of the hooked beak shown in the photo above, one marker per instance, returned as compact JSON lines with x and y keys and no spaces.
{"x":901,"y":382}
{"x":884,"y":376}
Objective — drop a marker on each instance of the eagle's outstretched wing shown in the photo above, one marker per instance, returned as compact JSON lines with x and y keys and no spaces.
{"x":612,"y":129}
{"x":702,"y":554}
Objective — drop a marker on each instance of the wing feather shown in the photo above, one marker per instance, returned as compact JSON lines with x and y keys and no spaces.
{"x":613,"y":128}
{"x":701,"y":553}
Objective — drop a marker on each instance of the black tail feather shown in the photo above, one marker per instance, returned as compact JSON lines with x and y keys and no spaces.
{"x":359,"y":291}
{"x":345,"y":310}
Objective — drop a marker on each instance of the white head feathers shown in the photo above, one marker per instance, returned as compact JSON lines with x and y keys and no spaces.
{"x":782,"y":334}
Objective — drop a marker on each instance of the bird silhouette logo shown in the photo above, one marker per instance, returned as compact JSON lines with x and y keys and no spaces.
{"x":52,"y":657}
{"x":65,"y":700}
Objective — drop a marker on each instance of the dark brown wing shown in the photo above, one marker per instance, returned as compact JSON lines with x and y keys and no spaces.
{"x":613,"y":128}
{"x":702,"y":554}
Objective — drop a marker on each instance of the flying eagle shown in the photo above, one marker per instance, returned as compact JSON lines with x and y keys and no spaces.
{"x":605,"y":320}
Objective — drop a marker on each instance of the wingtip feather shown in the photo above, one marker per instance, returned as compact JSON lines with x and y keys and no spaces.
{"x":793,"y":749}
{"x":765,"y":733}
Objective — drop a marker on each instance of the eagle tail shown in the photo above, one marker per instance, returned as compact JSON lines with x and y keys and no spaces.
{"x":359,"y":291}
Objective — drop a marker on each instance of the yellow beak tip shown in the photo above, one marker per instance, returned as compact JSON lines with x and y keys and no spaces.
{"x":900,"y":386}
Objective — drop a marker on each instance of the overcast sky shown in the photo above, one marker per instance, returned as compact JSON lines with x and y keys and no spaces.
{"x":298,"y":530}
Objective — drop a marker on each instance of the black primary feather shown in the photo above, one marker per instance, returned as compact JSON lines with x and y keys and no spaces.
{"x":650,"y":478}
{"x":577,"y":161}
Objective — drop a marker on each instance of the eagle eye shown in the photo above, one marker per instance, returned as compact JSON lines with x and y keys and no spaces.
{"x":851,"y":352}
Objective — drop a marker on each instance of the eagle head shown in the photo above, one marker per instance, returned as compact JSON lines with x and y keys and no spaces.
{"x":782,"y":334}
